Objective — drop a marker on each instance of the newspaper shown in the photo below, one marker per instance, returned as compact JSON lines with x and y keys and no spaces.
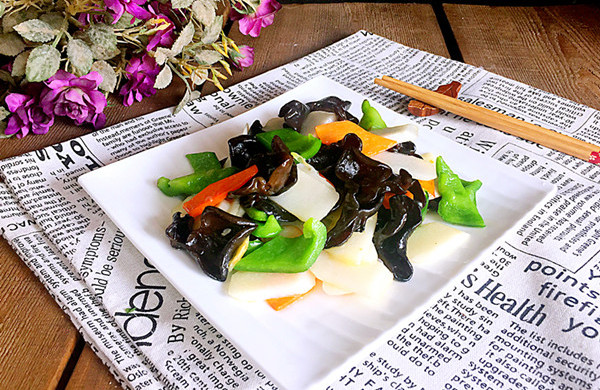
{"x":523,"y":317}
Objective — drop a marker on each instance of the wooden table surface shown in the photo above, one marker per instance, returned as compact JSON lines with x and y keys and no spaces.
{"x":554,"y":48}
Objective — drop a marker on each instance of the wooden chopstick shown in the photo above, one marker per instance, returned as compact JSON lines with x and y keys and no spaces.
{"x":516,"y":127}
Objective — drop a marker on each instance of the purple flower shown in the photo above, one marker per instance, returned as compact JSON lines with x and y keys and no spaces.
{"x":117,"y":8}
{"x":164,"y":36}
{"x":27,"y":113}
{"x":252,"y":23}
{"x":244,"y":58}
{"x":141,"y":76}
{"x":75,"y":97}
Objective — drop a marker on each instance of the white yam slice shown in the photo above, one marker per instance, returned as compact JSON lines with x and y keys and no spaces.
{"x":368,"y":279}
{"x":434,"y":241}
{"x":420,"y":169}
{"x":402,"y":133}
{"x":315,"y":119}
{"x":273,"y":124}
{"x":258,"y":286}
{"x":359,"y":248}
{"x":332,"y":290}
{"x":311,"y":197}
{"x":231,"y":206}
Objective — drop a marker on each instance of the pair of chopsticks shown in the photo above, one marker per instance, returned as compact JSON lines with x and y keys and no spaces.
{"x":516,"y":127}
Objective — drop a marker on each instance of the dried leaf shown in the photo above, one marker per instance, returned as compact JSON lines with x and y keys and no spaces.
{"x":204,"y":11}
{"x":54,"y":19}
{"x":14,"y":18}
{"x":125,"y":21}
{"x":186,"y":98}
{"x":211,"y":33}
{"x":207,"y":57}
{"x":109,"y":77}
{"x":164,"y":78}
{"x":4,"y":113}
{"x":2,"y":8}
{"x":42,"y":63}
{"x":199,"y":76}
{"x":162,"y":55}
{"x":35,"y":30}
{"x":18,"y":68}
{"x":80,"y":55}
{"x":11,"y":44}
{"x":186,"y":36}
{"x":2,"y":133}
{"x":181,"y":3}
{"x":103,"y":41}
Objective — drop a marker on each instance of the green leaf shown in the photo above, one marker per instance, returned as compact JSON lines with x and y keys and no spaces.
{"x":54,"y":19}
{"x":4,"y":113}
{"x":35,"y":30}
{"x":207,"y":57}
{"x":2,"y":8}
{"x":103,"y":41}
{"x":211,"y":33}
{"x":43,"y":62}
{"x":164,"y":78}
{"x":11,"y":44}
{"x":2,"y":133}
{"x":80,"y":55}
{"x":18,"y":69}
{"x":109,"y":77}
{"x":181,"y":3}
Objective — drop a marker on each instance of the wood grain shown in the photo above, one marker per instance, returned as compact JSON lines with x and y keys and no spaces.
{"x":36,"y":337}
{"x":552,"y":48}
{"x":301,"y":29}
{"x":91,"y":373}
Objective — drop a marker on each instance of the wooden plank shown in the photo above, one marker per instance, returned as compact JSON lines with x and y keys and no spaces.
{"x":300,"y":29}
{"x":91,"y":373}
{"x":36,"y":337}
{"x":552,"y":48}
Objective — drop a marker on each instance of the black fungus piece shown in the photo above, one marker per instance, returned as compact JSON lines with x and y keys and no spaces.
{"x":294,"y":113}
{"x":408,"y":148}
{"x":336,"y":105}
{"x":277,"y":165}
{"x":179,"y":230}
{"x":393,"y":229}
{"x":434,"y":204}
{"x":255,"y":128}
{"x":215,"y":241}
{"x":243,"y":149}
{"x":262,"y":203}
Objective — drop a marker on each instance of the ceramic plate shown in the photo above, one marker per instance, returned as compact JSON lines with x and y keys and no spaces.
{"x":303,"y":345}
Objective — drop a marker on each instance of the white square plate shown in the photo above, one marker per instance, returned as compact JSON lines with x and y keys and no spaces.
{"x":302,"y":345}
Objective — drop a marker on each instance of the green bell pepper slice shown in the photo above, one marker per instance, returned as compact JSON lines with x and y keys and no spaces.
{"x":207,"y":170}
{"x":371,"y":118}
{"x":458,"y":204}
{"x":269,"y":229}
{"x":255,"y":214}
{"x":287,"y":255}
{"x":305,"y":145}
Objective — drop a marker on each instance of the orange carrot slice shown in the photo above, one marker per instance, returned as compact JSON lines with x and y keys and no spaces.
{"x":283,"y":302}
{"x":429,"y":186}
{"x":216,"y":192}
{"x":332,"y":132}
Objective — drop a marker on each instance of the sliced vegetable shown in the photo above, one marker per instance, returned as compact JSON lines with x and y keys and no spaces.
{"x":420,"y":169}
{"x":256,"y":214}
{"x":316,"y":118}
{"x":216,"y":192}
{"x":359,"y":248}
{"x":434,"y":241}
{"x":269,"y":229}
{"x":283,"y":302}
{"x":260,"y":286}
{"x":336,"y":131}
{"x":305,"y":145}
{"x":311,"y":186}
{"x":207,"y":170}
{"x":371,"y":119}
{"x":287,"y":255}
{"x":330,"y":289}
{"x":370,"y":279}
{"x":400,"y":134}
{"x":458,"y":202}
{"x":214,"y":243}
